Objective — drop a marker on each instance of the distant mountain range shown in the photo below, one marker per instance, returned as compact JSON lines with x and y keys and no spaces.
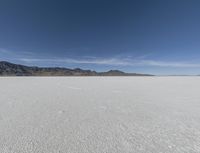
{"x":10,"y":69}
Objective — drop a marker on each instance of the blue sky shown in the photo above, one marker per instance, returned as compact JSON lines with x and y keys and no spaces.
{"x":157,"y":36}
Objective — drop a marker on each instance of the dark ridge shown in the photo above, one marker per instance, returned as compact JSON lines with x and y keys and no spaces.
{"x":10,"y":69}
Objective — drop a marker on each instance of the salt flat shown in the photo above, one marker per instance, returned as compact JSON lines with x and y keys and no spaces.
{"x":100,"y":115}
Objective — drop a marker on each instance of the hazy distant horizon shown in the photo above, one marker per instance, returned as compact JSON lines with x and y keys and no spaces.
{"x":73,"y":68}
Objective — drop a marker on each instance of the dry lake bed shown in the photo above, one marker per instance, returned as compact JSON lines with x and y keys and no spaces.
{"x":99,"y":114}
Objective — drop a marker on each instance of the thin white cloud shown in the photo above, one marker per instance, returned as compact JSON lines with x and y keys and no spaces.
{"x":15,"y":54}
{"x":169,"y":64}
{"x":115,"y":62}
{"x":4,"y":51}
{"x":108,"y":61}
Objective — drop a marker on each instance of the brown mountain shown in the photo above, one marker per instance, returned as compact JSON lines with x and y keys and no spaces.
{"x":10,"y":69}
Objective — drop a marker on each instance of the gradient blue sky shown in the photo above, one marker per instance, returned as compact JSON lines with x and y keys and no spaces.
{"x":145,"y":36}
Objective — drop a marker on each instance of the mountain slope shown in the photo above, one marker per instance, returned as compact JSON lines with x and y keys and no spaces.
{"x":10,"y":69}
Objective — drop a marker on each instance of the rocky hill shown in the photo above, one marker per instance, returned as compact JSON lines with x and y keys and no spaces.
{"x":10,"y":69}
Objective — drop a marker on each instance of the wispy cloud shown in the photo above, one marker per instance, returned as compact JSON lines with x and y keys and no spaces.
{"x":15,"y":54}
{"x":144,"y":60}
{"x":168,"y":64}
{"x":4,"y":51}
{"x":115,"y":62}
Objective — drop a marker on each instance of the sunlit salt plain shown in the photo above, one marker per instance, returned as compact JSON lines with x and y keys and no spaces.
{"x":100,"y":115}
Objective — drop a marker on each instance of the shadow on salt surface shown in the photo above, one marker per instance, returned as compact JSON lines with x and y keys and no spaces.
{"x":60,"y":112}
{"x":117,"y":91}
{"x":74,"y":88}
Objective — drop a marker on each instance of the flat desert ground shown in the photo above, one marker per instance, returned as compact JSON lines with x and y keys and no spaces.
{"x":99,"y":114}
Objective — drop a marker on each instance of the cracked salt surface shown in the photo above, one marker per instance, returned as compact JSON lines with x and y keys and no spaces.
{"x":100,"y":115}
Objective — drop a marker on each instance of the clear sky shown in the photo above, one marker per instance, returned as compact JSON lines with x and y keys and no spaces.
{"x":145,"y":36}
